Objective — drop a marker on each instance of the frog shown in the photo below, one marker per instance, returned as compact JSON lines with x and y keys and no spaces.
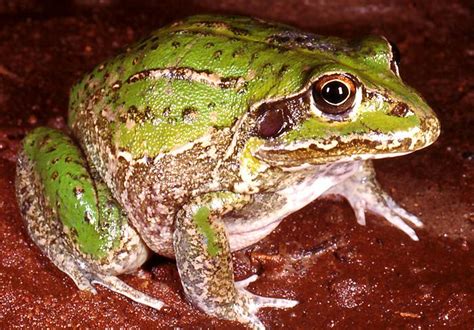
{"x":198,"y":140}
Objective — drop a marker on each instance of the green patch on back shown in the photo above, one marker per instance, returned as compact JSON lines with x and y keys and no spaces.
{"x":201,"y":218}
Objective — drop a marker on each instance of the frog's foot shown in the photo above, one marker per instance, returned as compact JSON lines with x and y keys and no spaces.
{"x":364,"y":193}
{"x":115,"y":284}
{"x":79,"y":271}
{"x":259,"y":301}
{"x":245,"y":306}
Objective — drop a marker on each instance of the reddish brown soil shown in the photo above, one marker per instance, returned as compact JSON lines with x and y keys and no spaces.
{"x":343,"y":274}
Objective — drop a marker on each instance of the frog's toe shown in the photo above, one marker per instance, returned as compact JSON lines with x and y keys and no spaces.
{"x":115,"y":284}
{"x":401,"y":224}
{"x":245,"y":283}
{"x":256,"y":302}
{"x":247,"y":305}
{"x":245,"y":310}
{"x":402,"y":212}
{"x":84,"y":284}
{"x":386,"y":207}
{"x":359,"y":207}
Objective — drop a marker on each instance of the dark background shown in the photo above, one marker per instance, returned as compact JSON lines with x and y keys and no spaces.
{"x":344,"y":275}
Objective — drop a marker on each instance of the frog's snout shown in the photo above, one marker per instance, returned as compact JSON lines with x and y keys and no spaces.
{"x":430,"y":129}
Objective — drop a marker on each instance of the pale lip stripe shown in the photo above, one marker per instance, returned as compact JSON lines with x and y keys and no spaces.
{"x":184,"y":73}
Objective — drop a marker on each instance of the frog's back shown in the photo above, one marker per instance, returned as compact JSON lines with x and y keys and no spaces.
{"x":193,"y":77}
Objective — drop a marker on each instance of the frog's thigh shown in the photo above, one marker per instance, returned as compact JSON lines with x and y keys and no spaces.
{"x":50,"y":210}
{"x":205,"y":263}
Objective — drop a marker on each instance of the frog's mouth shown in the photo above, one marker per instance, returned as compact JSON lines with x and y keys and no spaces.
{"x":370,"y":145}
{"x":313,"y":128}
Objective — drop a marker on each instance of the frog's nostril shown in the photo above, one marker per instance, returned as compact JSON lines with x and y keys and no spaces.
{"x":400,"y":110}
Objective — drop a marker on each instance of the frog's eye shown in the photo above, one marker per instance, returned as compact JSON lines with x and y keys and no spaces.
{"x":273,"y":121}
{"x":335,"y":94}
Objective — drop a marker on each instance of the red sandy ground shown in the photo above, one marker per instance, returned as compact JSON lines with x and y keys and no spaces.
{"x":344,"y":275}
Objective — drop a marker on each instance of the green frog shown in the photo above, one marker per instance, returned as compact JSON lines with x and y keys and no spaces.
{"x":200,"y":139}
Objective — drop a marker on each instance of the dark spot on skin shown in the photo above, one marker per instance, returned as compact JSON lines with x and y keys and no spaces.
{"x":154,"y":39}
{"x":238,"y":31}
{"x":189,"y":115}
{"x":242,"y":91}
{"x":83,"y":177}
{"x":176,"y":44}
{"x":78,"y":191}
{"x":283,"y":69}
{"x":209,"y":45}
{"x":166,"y":111}
{"x":238,"y":52}
{"x":45,"y":140}
{"x":148,"y":113}
{"x":122,"y":118}
{"x":228,"y":82}
{"x":154,"y":46}
{"x":54,"y":161}
{"x":68,"y":159}
{"x":300,"y":39}
{"x":211,"y":105}
{"x":217,"y":54}
{"x":54,"y":175}
{"x":141,"y":47}
{"x":400,"y":110}
{"x":267,"y":66}
{"x":135,"y":60}
{"x":106,"y":75}
{"x":87,"y":218}
{"x":50,"y":150}
{"x":133,"y":79}
{"x":281,"y":39}
{"x":116,"y":85}
{"x":132,"y":110}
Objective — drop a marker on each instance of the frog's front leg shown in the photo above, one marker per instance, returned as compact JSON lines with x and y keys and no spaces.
{"x":204,"y":261}
{"x":72,"y":217}
{"x":363,"y":192}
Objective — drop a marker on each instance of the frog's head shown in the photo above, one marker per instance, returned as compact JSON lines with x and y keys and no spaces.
{"x":352,"y":105}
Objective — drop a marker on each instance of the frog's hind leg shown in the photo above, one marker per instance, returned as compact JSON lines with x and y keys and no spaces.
{"x":50,"y":180}
{"x":363,"y":192}
{"x":43,"y":230}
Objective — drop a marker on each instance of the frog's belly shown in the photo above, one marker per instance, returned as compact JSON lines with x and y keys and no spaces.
{"x":258,"y":221}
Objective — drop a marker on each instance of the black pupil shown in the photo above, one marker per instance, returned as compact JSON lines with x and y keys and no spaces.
{"x":335,"y":92}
